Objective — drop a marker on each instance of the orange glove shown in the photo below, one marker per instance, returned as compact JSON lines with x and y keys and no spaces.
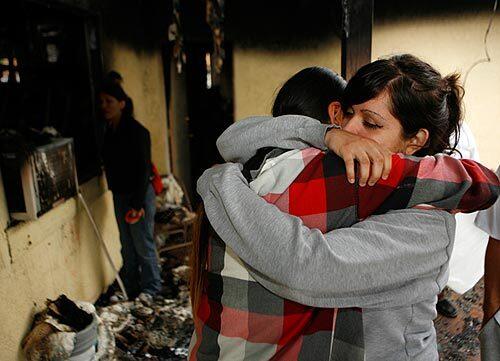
{"x":133,"y":216}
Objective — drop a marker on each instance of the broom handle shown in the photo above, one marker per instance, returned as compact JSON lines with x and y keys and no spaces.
{"x":103,"y":244}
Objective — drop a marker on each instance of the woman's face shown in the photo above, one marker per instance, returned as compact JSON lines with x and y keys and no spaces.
{"x":373,"y":120}
{"x":111,"y":107}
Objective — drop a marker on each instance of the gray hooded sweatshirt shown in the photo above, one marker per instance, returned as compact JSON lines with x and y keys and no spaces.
{"x":392,"y":265}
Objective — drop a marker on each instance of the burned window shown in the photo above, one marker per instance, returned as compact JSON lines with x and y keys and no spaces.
{"x":8,"y":70}
{"x":50,"y":61}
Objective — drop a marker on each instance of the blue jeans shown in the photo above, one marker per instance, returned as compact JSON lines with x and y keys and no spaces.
{"x":140,"y":271}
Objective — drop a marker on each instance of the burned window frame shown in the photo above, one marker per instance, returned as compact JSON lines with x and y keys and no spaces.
{"x":67,"y":104}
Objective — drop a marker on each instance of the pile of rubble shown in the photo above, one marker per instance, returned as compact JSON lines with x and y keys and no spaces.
{"x":156,"y":328}
{"x":174,"y":214}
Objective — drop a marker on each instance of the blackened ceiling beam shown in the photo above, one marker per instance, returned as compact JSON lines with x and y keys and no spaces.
{"x":357,"y":24}
{"x":194,"y":21}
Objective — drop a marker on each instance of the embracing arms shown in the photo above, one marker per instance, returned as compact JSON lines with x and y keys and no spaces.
{"x":376,"y":255}
{"x":443,"y":182}
{"x":241,"y":140}
{"x":383,"y":261}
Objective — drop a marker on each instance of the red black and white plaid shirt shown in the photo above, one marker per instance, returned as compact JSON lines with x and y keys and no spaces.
{"x":238,"y":319}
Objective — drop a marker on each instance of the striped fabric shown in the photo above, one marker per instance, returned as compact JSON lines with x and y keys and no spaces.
{"x":238,"y":319}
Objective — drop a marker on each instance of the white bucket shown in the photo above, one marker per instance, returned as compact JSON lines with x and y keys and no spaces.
{"x":85,"y":343}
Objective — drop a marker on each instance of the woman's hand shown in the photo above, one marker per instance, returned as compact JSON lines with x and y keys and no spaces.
{"x":375,"y":160}
{"x":133,"y":216}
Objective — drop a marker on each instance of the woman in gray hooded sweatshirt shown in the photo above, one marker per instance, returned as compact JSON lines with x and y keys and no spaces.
{"x":392,"y":265}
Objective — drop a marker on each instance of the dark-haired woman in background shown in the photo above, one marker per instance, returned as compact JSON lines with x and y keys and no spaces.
{"x":394,"y":264}
{"x":127,"y":162}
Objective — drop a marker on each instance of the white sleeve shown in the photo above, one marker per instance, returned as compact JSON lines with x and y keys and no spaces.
{"x":489,"y":219}
{"x":466,"y":144}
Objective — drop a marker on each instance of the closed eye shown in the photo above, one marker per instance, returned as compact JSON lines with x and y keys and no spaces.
{"x":371,"y":125}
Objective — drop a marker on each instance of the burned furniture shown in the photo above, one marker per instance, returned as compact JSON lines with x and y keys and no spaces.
{"x":175,"y":217}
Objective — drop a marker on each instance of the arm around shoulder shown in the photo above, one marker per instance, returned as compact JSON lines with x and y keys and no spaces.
{"x":375,"y":262}
{"x":242,"y":139}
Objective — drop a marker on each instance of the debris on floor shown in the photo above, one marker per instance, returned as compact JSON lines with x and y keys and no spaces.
{"x":160,"y":327}
{"x":154,"y":328}
{"x":458,"y":337}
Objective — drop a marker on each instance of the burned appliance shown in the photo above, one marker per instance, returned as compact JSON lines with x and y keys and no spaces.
{"x":36,"y":183}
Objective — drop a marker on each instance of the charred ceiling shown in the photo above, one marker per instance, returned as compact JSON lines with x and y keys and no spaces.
{"x":259,"y":23}
{"x":393,"y":9}
{"x":139,"y":23}
{"x":282,"y":23}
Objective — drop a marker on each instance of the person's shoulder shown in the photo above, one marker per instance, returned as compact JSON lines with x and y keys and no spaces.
{"x":138,"y":128}
{"x":416,"y":221}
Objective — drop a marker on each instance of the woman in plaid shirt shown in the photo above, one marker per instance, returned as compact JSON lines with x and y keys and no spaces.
{"x":306,"y":332}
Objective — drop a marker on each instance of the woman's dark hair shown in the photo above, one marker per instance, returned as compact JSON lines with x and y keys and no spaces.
{"x":420,"y":98}
{"x":198,"y":259}
{"x":116,"y":91}
{"x":309,"y":92}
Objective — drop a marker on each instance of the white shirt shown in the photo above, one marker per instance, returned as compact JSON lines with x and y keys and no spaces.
{"x":467,"y":259}
{"x":489,"y":219}
{"x":466,"y":144}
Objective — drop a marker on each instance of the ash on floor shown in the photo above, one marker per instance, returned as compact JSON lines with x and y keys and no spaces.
{"x":153,"y":329}
{"x":458,"y":337}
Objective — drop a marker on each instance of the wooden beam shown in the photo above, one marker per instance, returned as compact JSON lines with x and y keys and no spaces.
{"x":357,"y":23}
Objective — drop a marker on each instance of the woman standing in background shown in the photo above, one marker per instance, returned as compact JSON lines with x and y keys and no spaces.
{"x":127,"y":162}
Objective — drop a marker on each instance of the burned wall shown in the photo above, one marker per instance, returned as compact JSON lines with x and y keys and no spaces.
{"x":55,"y":254}
{"x":282,"y":24}
{"x":131,"y":36}
{"x":133,"y":33}
{"x":274,"y":40}
{"x":144,"y":82}
{"x":59,"y":253}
